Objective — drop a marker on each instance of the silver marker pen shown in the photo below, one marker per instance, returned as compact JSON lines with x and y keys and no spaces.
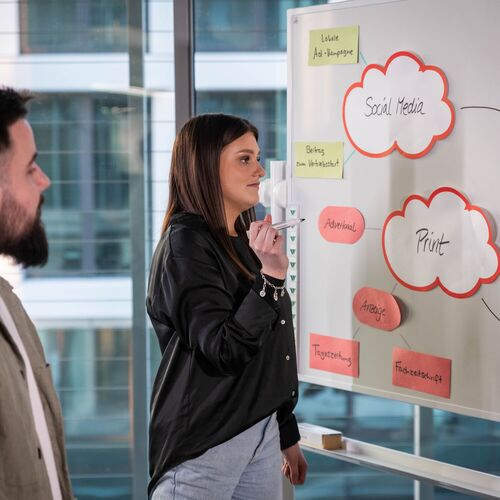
{"x":287,"y":223}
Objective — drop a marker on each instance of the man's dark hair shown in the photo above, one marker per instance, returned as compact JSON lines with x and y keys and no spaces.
{"x":12,"y":108}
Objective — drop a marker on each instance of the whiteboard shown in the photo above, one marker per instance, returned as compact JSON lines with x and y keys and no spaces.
{"x":460,"y":37}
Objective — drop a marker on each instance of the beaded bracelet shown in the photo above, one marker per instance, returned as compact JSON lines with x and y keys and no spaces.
{"x":262,"y":293}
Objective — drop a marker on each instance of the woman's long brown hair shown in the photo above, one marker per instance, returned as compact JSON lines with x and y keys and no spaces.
{"x":195,"y":185}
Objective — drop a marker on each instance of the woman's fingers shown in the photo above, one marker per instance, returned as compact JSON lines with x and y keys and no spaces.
{"x":269,"y":238}
{"x":254,"y":230}
{"x":264,"y":238}
{"x":257,"y":225}
{"x":268,"y":244}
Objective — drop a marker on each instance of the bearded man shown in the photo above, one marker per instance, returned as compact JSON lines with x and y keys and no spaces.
{"x":32,"y":454}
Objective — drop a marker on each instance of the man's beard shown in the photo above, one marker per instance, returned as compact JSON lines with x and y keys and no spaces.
{"x":30,"y":248}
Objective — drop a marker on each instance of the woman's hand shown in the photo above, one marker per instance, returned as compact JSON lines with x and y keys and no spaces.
{"x":294,"y":464}
{"x":267,"y":243}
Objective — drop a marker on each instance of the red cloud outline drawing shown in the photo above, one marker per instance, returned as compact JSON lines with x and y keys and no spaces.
{"x":383,"y":69}
{"x":437,"y":281}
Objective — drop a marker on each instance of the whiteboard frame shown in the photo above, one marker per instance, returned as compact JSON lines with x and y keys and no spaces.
{"x":417,"y":398}
{"x":385,"y":459}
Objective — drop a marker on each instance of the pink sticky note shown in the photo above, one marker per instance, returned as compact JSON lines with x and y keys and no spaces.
{"x":341,"y":224}
{"x":335,"y":355}
{"x":376,"y":308}
{"x":421,"y":372}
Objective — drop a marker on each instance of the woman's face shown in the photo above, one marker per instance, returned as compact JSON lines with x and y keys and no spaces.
{"x":240,"y":173}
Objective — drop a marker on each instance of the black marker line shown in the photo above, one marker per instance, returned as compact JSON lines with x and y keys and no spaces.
{"x":394,"y":287}
{"x":405,"y":342}
{"x":356,"y":332}
{"x":374,"y":228}
{"x":484,"y":302}
{"x":480,"y":107}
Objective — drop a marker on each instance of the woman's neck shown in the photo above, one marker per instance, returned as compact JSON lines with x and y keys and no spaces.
{"x":231,"y":219}
{"x":232,"y":230}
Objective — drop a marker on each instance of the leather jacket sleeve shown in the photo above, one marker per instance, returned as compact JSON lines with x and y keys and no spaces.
{"x":204,"y":314}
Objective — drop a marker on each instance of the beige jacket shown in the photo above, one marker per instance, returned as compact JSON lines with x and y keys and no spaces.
{"x":22,"y":471}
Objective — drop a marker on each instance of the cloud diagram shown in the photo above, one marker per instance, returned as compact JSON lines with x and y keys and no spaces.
{"x":442,"y":241}
{"x":403,"y":105}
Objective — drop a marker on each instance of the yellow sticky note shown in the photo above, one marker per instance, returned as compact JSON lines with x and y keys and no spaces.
{"x":334,"y":46}
{"x":319,"y":159}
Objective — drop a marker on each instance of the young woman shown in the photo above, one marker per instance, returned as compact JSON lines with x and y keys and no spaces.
{"x":221,"y":408}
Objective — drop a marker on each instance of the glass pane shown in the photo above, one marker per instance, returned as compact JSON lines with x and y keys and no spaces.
{"x":236,"y":26}
{"x":466,"y":441}
{"x":53,"y":26}
{"x":116,"y":488}
{"x":98,"y":140}
{"x":330,"y":479}
{"x":83,"y":144}
{"x":378,"y":421}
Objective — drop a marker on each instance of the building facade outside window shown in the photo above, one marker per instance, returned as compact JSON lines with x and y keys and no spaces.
{"x":74,"y":55}
{"x":91,"y":371}
{"x":62,"y":26}
{"x":82,"y":140}
{"x":245,"y":26}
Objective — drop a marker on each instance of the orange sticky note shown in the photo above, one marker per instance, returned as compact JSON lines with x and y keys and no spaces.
{"x":421,"y":372}
{"x":376,"y":308}
{"x":341,"y":224}
{"x":335,"y":355}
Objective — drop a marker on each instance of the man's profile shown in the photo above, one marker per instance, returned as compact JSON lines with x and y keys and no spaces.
{"x":32,"y":455}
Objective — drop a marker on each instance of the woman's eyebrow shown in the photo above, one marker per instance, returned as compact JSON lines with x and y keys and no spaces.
{"x":251,"y":151}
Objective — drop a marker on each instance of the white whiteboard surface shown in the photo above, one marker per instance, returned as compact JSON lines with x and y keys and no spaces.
{"x":461,"y":38}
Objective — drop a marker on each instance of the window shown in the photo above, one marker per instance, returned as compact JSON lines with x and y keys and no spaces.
{"x":92,"y":372}
{"x":57,"y":26}
{"x":83,"y":146}
{"x":242,"y":26}
{"x":107,"y":154}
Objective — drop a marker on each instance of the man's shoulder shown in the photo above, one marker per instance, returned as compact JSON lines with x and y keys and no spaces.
{"x":5,"y":285}
{"x":8,"y":296}
{"x":15,"y":307}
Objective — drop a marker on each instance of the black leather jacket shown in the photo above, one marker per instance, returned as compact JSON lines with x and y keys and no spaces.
{"x":228,"y":354}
